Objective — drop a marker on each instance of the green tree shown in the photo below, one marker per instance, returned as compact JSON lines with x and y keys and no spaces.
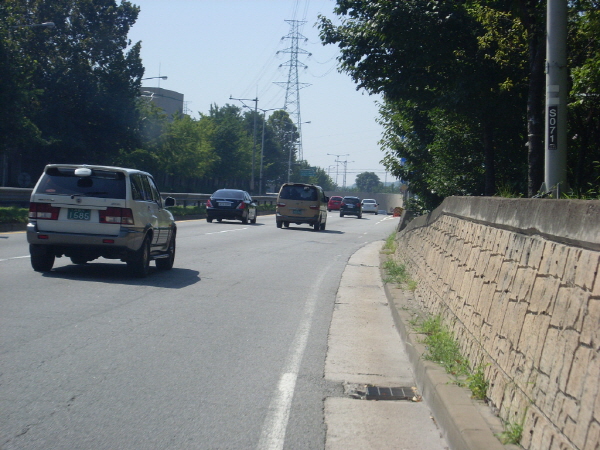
{"x":233,"y":148}
{"x":85,"y":74}
{"x":584,"y":108}
{"x":286,"y":135}
{"x":393,"y":48}
{"x":368,"y":182}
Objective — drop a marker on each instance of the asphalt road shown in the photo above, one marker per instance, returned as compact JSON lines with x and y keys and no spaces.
{"x":226,"y":351}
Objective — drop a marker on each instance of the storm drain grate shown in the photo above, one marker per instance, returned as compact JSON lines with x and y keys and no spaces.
{"x":390,"y":393}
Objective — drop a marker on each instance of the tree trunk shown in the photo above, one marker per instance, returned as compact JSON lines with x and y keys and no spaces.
{"x":535,"y":114}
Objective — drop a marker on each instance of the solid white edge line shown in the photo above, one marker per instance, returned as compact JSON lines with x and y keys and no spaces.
{"x":273,"y":431}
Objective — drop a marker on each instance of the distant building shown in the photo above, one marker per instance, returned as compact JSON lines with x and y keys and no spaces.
{"x":170,"y":102}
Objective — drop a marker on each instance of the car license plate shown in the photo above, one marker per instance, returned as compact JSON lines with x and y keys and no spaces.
{"x":350,"y":206}
{"x":296,"y":211}
{"x":79,"y":214}
{"x":224,"y":203}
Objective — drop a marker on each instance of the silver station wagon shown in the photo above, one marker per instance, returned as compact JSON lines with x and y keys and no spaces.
{"x":86,"y":212}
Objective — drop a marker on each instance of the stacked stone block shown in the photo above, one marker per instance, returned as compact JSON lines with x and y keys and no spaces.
{"x":525,"y":305}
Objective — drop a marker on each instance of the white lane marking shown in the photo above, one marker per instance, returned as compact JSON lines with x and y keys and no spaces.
{"x":15,"y":257}
{"x":384,"y":219}
{"x":227,"y":231}
{"x":272,"y":436}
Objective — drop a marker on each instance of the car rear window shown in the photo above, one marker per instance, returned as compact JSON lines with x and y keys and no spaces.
{"x":298,"y":193}
{"x":229,"y":193}
{"x":101,"y":184}
{"x":351,"y":200}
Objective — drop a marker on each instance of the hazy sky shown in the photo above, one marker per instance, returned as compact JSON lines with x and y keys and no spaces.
{"x":213,"y":49}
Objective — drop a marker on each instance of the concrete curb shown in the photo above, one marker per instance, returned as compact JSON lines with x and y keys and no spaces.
{"x":466,"y":424}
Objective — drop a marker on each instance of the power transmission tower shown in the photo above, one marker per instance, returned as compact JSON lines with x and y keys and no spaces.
{"x":293,"y":85}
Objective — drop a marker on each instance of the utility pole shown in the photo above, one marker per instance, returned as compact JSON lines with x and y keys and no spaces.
{"x":555,"y":178}
{"x":345,"y":170}
{"x":337,"y":162}
{"x":293,"y":85}
{"x":262,"y":150}
{"x":255,"y":100}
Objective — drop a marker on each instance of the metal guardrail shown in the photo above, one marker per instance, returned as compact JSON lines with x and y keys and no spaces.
{"x":15,"y":196}
{"x":20,"y":197}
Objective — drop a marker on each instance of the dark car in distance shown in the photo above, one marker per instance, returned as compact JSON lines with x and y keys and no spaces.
{"x":231,"y":204}
{"x":351,"y":206}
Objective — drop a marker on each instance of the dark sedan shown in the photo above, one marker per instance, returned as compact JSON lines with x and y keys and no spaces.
{"x":231,"y":204}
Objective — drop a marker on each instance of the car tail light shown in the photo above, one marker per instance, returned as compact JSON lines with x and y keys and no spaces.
{"x":122,"y":216}
{"x":342,"y":204}
{"x":314,"y":206}
{"x":281,"y":205}
{"x":43,"y":211}
{"x":209,"y":203}
{"x":242,"y":205}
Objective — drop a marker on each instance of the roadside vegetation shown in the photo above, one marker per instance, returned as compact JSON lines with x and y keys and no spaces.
{"x":441,"y":346}
{"x":13,"y":214}
{"x":435,"y":137}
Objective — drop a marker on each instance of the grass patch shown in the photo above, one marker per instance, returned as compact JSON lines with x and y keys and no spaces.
{"x":13,"y":214}
{"x":390,"y":245}
{"x":183,"y":211}
{"x":397,"y":273}
{"x":512,"y":434}
{"x":477,"y":383}
{"x":444,"y":350}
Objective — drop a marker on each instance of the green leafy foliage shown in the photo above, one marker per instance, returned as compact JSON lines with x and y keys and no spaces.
{"x":512,"y":434}
{"x":368,"y":182}
{"x":13,"y":215}
{"x":463,"y":87}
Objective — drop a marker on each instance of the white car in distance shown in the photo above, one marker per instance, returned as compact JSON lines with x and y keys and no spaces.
{"x":370,"y":205}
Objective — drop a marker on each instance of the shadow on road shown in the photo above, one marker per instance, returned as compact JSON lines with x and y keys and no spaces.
{"x":311,"y":230}
{"x":176,"y":278}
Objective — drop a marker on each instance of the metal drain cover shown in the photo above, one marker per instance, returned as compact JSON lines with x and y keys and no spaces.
{"x":389,"y":393}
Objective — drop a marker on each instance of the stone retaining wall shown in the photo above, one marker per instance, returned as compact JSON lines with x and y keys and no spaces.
{"x":517,"y":281}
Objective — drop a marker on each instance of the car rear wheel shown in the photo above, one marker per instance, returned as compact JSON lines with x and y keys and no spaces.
{"x":167,"y":263}
{"x":317,"y":225}
{"x":341,"y":214}
{"x":209,"y":219}
{"x":245,"y":220}
{"x":42,"y":259}
{"x":78,"y":260}
{"x":140,"y":264}
{"x":323,"y":226}
{"x":286,"y":224}
{"x":278,"y":224}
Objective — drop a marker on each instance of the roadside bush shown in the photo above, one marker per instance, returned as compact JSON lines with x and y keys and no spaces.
{"x":13,"y":214}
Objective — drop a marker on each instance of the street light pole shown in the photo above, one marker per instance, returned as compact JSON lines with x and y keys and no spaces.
{"x":255,"y":100}
{"x":556,"y":97}
{"x":337,"y":165}
{"x":262,"y":151}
